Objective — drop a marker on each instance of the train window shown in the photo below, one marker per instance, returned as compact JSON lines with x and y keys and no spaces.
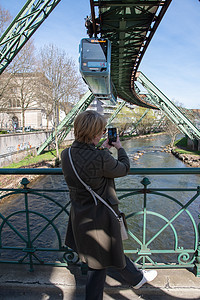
{"x":94,"y":50}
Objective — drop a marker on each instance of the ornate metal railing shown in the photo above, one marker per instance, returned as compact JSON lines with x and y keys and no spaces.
{"x":163,"y":222}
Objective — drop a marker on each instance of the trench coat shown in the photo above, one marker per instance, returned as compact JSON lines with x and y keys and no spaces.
{"x":93,"y":231}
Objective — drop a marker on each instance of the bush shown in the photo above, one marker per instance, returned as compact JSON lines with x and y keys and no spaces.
{"x":3,"y":131}
{"x":181,"y":143}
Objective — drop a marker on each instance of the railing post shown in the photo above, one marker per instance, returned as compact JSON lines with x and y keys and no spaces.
{"x":29,"y":248}
{"x":198,"y":255}
{"x":144,"y":250}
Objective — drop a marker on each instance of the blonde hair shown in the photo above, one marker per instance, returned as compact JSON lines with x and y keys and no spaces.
{"x":87,"y":125}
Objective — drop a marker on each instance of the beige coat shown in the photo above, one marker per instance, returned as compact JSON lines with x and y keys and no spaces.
{"x":93,"y":231}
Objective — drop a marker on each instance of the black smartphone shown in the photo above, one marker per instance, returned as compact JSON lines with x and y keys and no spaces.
{"x":112,"y":135}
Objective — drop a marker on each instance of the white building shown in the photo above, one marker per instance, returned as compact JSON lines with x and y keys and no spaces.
{"x":25,"y":99}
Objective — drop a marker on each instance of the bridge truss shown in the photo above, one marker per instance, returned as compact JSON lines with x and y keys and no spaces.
{"x":67,"y":123}
{"x":28,"y":20}
{"x":168,"y":108}
{"x":130,"y":26}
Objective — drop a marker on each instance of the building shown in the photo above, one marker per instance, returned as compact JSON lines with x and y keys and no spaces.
{"x":25,"y":100}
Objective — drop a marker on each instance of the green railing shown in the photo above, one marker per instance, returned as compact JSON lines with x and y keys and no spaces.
{"x":163,"y":222}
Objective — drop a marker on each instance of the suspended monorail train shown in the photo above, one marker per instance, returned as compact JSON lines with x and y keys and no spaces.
{"x":95,"y":62}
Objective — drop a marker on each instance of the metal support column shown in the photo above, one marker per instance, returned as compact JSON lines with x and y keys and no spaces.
{"x":138,"y":122}
{"x":115,"y":113}
{"x":67,"y":123}
{"x":169,"y":108}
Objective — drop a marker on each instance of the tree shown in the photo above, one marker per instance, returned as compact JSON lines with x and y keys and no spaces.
{"x":124,"y":119}
{"x":44,"y":97}
{"x":18,"y":88}
{"x":5,"y":19}
{"x":28,"y":79}
{"x":172,"y":131}
{"x":143,"y":123}
{"x":64,"y":80}
{"x":17,"y":83}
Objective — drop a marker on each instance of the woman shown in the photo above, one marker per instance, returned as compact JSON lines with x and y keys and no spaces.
{"x":93,"y":230}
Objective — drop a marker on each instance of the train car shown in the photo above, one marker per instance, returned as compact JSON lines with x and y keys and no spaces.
{"x":95,"y":61}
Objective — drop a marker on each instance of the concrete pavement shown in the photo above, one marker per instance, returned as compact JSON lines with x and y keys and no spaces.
{"x":56,"y":283}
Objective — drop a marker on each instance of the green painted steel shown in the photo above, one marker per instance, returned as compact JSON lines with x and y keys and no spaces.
{"x":130,"y":26}
{"x":159,"y":124}
{"x":30,"y":229}
{"x":115,"y":113}
{"x":133,"y":171}
{"x":66,"y":124}
{"x":169,"y":108}
{"x":22,"y":28}
{"x":138,"y":122}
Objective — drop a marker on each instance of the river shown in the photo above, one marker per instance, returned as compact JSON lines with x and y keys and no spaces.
{"x":153,"y":157}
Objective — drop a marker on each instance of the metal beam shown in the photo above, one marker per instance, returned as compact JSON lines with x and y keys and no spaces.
{"x":115,"y":113}
{"x":65,"y":126}
{"x":169,"y":108}
{"x":126,"y":3}
{"x":22,"y":28}
{"x":130,"y":26}
{"x":138,"y":122}
{"x":156,"y":126}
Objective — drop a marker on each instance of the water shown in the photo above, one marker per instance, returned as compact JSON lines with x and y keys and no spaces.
{"x":163,"y":207}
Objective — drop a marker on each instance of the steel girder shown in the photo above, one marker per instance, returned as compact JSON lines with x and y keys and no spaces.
{"x":22,"y":28}
{"x":130,"y":26}
{"x":115,"y":113}
{"x":138,"y":122}
{"x":66,"y":124}
{"x":169,"y":108}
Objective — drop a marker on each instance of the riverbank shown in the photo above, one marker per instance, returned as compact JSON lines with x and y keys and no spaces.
{"x":180,"y":150}
{"x":189,"y":159}
{"x":14,"y":181}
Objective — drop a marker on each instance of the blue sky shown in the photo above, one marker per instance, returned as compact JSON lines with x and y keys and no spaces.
{"x":171,"y":61}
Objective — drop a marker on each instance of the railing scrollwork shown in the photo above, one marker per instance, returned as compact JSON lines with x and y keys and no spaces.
{"x":158,"y":236}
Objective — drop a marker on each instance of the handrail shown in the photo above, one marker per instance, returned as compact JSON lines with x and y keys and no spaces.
{"x":133,"y":171}
{"x":154,"y":215}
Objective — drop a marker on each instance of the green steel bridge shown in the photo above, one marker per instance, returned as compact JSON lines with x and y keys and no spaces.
{"x":130,"y":26}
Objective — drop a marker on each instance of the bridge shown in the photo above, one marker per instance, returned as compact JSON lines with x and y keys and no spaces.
{"x":40,"y":212}
{"x":130,"y":26}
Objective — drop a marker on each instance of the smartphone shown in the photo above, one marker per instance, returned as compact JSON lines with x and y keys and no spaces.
{"x":112,"y":135}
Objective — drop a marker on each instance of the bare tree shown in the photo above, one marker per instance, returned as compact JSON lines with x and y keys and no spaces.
{"x":172,"y":131}
{"x":143,"y":122}
{"x":18,"y":84}
{"x":5,"y":19}
{"x":124,"y":119}
{"x":44,"y":97}
{"x":60,"y":70}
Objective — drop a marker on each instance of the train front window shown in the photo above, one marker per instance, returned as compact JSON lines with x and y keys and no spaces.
{"x":94,"y":50}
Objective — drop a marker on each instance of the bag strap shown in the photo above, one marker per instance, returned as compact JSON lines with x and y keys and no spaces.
{"x":89,"y":189}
